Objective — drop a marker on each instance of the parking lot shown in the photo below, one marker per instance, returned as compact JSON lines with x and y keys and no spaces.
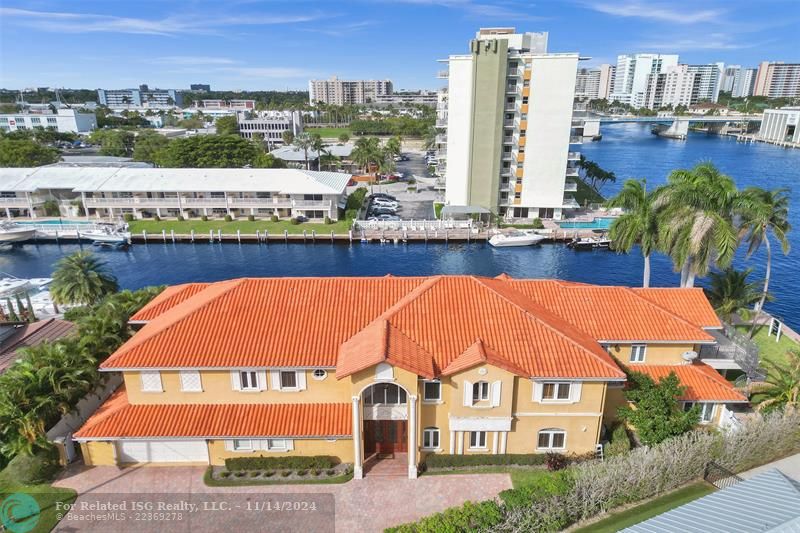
{"x":399,"y":201}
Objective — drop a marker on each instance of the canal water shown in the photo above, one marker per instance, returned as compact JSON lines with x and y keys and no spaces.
{"x":628,"y":150}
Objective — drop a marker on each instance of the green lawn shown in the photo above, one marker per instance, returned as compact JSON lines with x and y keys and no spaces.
{"x":520,"y":476}
{"x":329,"y":133}
{"x":768,"y":348}
{"x":229,"y":228}
{"x":45,"y":495}
{"x":642,"y":512}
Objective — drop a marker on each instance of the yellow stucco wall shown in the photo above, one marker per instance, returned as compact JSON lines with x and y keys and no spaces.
{"x":98,"y":453}
{"x":484,"y":408}
{"x":340,"y":448}
{"x":656,"y":354}
{"x":217,"y":388}
{"x":582,"y":432}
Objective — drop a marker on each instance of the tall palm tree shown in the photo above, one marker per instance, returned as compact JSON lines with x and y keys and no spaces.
{"x":781,"y":389}
{"x":730,"y":292}
{"x":696,"y":209}
{"x":81,"y":279}
{"x":367,"y":152}
{"x":318,"y":146}
{"x":638,"y":225}
{"x":303,"y":142}
{"x":764,"y":213}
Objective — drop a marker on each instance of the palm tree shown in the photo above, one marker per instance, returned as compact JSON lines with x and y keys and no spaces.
{"x":303,"y":142}
{"x":764,"y":213}
{"x":81,"y":279}
{"x":366,"y":153}
{"x":319,"y":147}
{"x":287,"y":137}
{"x":638,"y":225}
{"x":696,"y":209}
{"x":343,"y":138}
{"x":730,"y":292}
{"x":781,"y":389}
{"x":393,"y":146}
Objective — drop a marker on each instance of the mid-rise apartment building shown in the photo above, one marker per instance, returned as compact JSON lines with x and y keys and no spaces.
{"x":744,"y":83}
{"x":62,"y":120}
{"x":729,"y":75}
{"x":708,"y":79}
{"x":405,"y":98}
{"x":510,"y":126}
{"x":632,"y":76}
{"x":595,"y":83}
{"x":343,"y":92}
{"x":777,"y":80}
{"x":271,"y":125}
{"x":141,"y":97}
{"x":675,"y":86}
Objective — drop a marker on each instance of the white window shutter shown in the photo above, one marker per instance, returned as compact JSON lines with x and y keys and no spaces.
{"x":301,"y":379}
{"x":467,"y":393}
{"x":289,"y":445}
{"x":151,"y":381}
{"x":262,"y":380}
{"x":229,"y":445}
{"x":575,"y":391}
{"x":275,"y":376}
{"x":496,"y":393}
{"x":537,"y":392}
{"x":236,"y":380}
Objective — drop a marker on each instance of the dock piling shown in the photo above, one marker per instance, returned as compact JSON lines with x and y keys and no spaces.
{"x":164,"y":235}
{"x":172,"y":235}
{"x":304,"y":235}
{"x":350,"y":235}
{"x":192,"y":233}
{"x":266,"y":236}
{"x":210,"y":235}
{"x":144,"y":235}
{"x":286,"y":235}
{"x":314,"y":235}
{"x":331,"y":236}
{"x":219,"y":235}
{"x":239,"y":236}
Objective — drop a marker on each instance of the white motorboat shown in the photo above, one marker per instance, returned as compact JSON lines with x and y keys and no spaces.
{"x":516,"y":238}
{"x":107,"y":235}
{"x":590,"y":243}
{"x":12,"y":232}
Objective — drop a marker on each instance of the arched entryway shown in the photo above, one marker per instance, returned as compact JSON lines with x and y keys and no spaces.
{"x":385,"y":420}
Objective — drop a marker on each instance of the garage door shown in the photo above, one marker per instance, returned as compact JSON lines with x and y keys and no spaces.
{"x":162,"y":451}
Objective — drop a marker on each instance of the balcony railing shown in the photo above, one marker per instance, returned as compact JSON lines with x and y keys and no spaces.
{"x":187,"y":203}
{"x":574,"y":156}
{"x":570,"y":186}
{"x":572,"y":172}
{"x":734,"y":347}
{"x":570,"y":202}
{"x":17,"y":202}
{"x":576,"y":140}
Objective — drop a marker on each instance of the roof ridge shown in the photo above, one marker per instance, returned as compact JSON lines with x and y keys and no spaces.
{"x":547,"y":324}
{"x":663,"y":309}
{"x":181,"y":311}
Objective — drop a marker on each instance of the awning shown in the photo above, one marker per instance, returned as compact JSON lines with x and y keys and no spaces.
{"x":465,"y":210}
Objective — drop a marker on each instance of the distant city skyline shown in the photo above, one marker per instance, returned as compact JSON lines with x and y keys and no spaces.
{"x":280,"y":45}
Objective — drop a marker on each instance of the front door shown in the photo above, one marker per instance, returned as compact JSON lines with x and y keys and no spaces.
{"x":385,"y":437}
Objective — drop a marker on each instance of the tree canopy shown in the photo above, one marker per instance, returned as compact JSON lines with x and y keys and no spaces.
{"x":25,"y":153}
{"x":227,"y":125}
{"x":81,"y":278}
{"x":207,"y":151}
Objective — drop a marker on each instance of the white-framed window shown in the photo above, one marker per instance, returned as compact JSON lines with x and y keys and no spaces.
{"x":248,"y":380}
{"x":638,"y":353}
{"x":385,"y":394}
{"x":319,"y":374}
{"x":242,"y":445}
{"x":151,"y":381}
{"x":477,"y":440}
{"x":556,"y":391}
{"x":288,"y":379}
{"x":480,"y":391}
{"x":277,"y":444}
{"x":706,"y":410}
{"x":431,"y":391}
{"x":551,"y":439}
{"x":190,"y":381}
{"x":430,"y":438}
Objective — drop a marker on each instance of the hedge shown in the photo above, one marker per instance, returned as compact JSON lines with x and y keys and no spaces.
{"x":469,"y":517}
{"x":321,"y":462}
{"x":449,"y":461}
{"x":356,"y":199}
{"x":620,"y":442}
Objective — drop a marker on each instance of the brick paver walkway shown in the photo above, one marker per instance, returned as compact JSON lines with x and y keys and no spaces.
{"x":370,"y":504}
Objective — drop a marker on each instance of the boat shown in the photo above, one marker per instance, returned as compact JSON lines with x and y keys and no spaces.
{"x":515,"y":238}
{"x":34,"y":289}
{"x":107,"y":234}
{"x":590,"y":243}
{"x":13,"y":232}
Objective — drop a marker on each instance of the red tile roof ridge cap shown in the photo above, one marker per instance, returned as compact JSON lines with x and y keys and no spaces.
{"x":670,"y":313}
{"x":588,"y":344}
{"x":173,"y":315}
{"x":169,"y":291}
{"x":410,"y":296}
{"x":389,"y":327}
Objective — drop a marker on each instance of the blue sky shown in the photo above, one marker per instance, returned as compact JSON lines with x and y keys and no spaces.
{"x":280,"y":44}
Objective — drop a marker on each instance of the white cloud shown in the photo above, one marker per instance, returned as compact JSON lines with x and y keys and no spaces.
{"x":63,"y":22}
{"x":653,"y":11}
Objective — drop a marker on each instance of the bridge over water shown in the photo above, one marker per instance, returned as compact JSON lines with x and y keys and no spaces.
{"x":674,"y":126}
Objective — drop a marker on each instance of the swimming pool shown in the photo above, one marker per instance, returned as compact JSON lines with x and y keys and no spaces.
{"x":55,"y":222}
{"x":597,"y":223}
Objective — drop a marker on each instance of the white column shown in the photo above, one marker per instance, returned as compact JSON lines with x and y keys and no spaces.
{"x":503,"y":438}
{"x":180,"y":204}
{"x":495,"y":436}
{"x":31,"y":212}
{"x":412,"y":437}
{"x":460,"y":437}
{"x":227,"y":204}
{"x":452,"y":442}
{"x":85,"y":209}
{"x":8,"y":213}
{"x":358,"y":468}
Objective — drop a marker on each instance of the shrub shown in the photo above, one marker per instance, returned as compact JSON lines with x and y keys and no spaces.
{"x":537,"y":223}
{"x":449,"y":461}
{"x":544,"y":486}
{"x":156,"y":218}
{"x":181,"y":218}
{"x":51,"y":208}
{"x":328,"y":220}
{"x":316,"y":472}
{"x":225,"y":474}
{"x":556,"y":461}
{"x":240,"y":474}
{"x":127,"y":217}
{"x":228,"y":218}
{"x":351,"y":214}
{"x":269,"y":473}
{"x":255,"y":473}
{"x":286,"y":473}
{"x":469,"y":517}
{"x":620,"y":442}
{"x":356,"y":199}
{"x":280,"y":463}
{"x":273,"y":218}
{"x":204,"y":218}
{"x":294,"y":222}
{"x":330,"y":471}
{"x":40,"y":467}
{"x":302,"y":472}
{"x":251,"y":218}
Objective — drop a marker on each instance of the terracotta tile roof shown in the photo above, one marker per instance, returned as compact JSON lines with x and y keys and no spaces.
{"x":423,"y":324}
{"x":27,"y":335}
{"x":477,"y":354}
{"x":689,"y":304}
{"x":703,"y":383}
{"x":167,"y":299}
{"x":119,"y":419}
{"x":620,"y":313}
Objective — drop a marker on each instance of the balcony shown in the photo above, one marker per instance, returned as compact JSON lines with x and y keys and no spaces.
{"x":441,"y":139}
{"x":732,"y":351}
{"x":574,"y":156}
{"x":132,"y":202}
{"x":572,"y":172}
{"x":512,"y":88}
{"x":203,"y":202}
{"x":575,"y":140}
{"x":441,"y":122}
{"x":570,"y":186}
{"x":570,"y":203}
{"x":318,"y":204}
{"x":18,"y":202}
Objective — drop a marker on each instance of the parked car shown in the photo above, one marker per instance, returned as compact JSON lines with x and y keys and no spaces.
{"x":389,"y":218}
{"x":383,"y":211}
{"x":384,"y":195}
{"x":390,"y":205}
{"x":301,"y":218}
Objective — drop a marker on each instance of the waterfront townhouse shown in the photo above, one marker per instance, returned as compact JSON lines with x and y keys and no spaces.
{"x":109,"y":192}
{"x":392,"y":368}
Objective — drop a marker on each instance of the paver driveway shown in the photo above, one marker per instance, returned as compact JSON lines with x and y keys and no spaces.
{"x":370,"y":504}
